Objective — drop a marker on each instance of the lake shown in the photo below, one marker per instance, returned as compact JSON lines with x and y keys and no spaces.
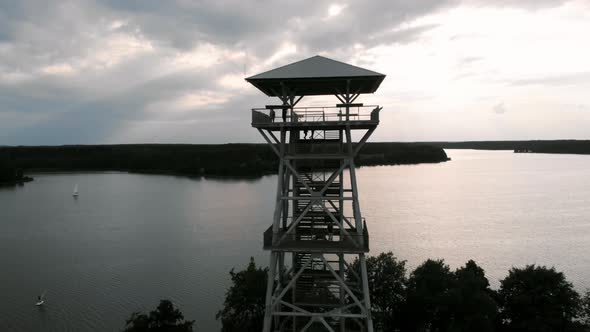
{"x":132,"y":239}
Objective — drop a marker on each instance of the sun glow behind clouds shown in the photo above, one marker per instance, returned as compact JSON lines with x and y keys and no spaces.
{"x":475,"y":52}
{"x":335,"y":10}
{"x":532,"y":62}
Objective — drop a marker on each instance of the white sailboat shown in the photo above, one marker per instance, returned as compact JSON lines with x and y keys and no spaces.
{"x":40,"y":299}
{"x":75,"y":194}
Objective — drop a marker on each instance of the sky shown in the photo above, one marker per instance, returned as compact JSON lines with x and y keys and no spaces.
{"x":113,"y":72}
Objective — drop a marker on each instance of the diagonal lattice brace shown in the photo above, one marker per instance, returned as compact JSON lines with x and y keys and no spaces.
{"x":350,"y":269}
{"x":333,"y":177}
{"x":338,"y":310}
{"x":296,"y":222}
{"x":362,"y":142}
{"x":338,"y":211}
{"x":345,"y":286}
{"x":340,"y":225}
{"x":294,"y":307}
{"x":288,"y":164}
{"x":323,"y":321}
{"x":272,"y":145}
{"x":291,"y":283}
{"x":272,"y":135}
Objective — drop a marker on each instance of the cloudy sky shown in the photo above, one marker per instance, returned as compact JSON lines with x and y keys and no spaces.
{"x":97,"y":72}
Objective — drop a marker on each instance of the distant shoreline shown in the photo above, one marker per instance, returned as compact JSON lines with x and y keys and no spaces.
{"x":16,"y":182}
{"x":532,"y":146}
{"x":195,"y":160}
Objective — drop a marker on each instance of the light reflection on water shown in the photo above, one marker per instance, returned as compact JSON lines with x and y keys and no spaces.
{"x":132,"y":239}
{"x":499,"y":208}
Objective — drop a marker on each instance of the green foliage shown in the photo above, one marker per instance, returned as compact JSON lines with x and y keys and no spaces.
{"x":387,"y":286}
{"x":245,"y":160}
{"x":9,"y":173}
{"x":427,"y":297}
{"x":471,"y":303}
{"x":585,"y":309}
{"x":434,"y":298}
{"x":539,"y":299}
{"x":245,"y":300}
{"x":382,"y":153}
{"x":165,"y":318}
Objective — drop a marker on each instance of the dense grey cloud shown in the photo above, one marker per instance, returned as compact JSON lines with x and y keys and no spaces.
{"x":76,"y":72}
{"x":101,"y":71}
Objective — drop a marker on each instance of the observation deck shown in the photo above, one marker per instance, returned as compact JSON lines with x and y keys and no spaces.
{"x":311,"y":118}
{"x":318,"y":239}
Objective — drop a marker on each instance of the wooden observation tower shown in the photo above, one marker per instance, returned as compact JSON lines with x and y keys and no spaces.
{"x":317,"y":229}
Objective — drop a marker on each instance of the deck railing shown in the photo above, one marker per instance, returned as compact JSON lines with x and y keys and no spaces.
{"x":315,"y":114}
{"x":316,"y":238}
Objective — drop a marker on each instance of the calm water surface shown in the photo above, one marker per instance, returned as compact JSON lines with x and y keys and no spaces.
{"x":130,"y":240}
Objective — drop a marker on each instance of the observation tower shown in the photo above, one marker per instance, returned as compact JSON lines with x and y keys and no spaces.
{"x":318,"y":237}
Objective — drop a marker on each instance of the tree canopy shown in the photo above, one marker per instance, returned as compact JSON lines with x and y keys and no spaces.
{"x":537,"y":298}
{"x":166,"y":318}
{"x":434,"y":298}
{"x":471,"y":301}
{"x":387,"y":286}
{"x":243,"y":308}
{"x":426,"y":302}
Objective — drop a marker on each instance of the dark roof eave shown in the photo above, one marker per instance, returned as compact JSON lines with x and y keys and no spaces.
{"x":334,"y":78}
{"x":264,"y":85}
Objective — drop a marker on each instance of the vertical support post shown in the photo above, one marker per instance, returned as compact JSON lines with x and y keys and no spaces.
{"x":367,"y":299}
{"x":342,"y":292}
{"x":351,"y":170}
{"x":286,"y":187}
{"x":269,"y":292}
{"x":280,"y":181}
{"x":341,"y":262}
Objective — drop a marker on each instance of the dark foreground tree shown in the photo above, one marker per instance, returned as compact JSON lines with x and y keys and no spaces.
{"x":165,"y":318}
{"x":585,"y":312}
{"x":387,"y":286}
{"x":538,"y":299}
{"x":427,"y":306}
{"x":471,"y":303}
{"x":243,"y":308}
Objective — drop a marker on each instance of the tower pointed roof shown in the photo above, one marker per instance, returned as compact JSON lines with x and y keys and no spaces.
{"x":317,"y":76}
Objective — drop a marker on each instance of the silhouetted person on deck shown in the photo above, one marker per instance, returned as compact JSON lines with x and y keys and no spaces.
{"x":272,"y":115}
{"x":284,"y":115}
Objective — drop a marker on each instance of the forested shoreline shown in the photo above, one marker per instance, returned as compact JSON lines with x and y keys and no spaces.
{"x":10,"y":174}
{"x":531,"y":146}
{"x":239,"y":160}
{"x":433,"y":297}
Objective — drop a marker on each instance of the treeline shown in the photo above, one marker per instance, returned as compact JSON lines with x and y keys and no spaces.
{"x":196,"y":160}
{"x":9,"y":173}
{"x":536,"y":146}
{"x":400,"y":153}
{"x":435,"y":298}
